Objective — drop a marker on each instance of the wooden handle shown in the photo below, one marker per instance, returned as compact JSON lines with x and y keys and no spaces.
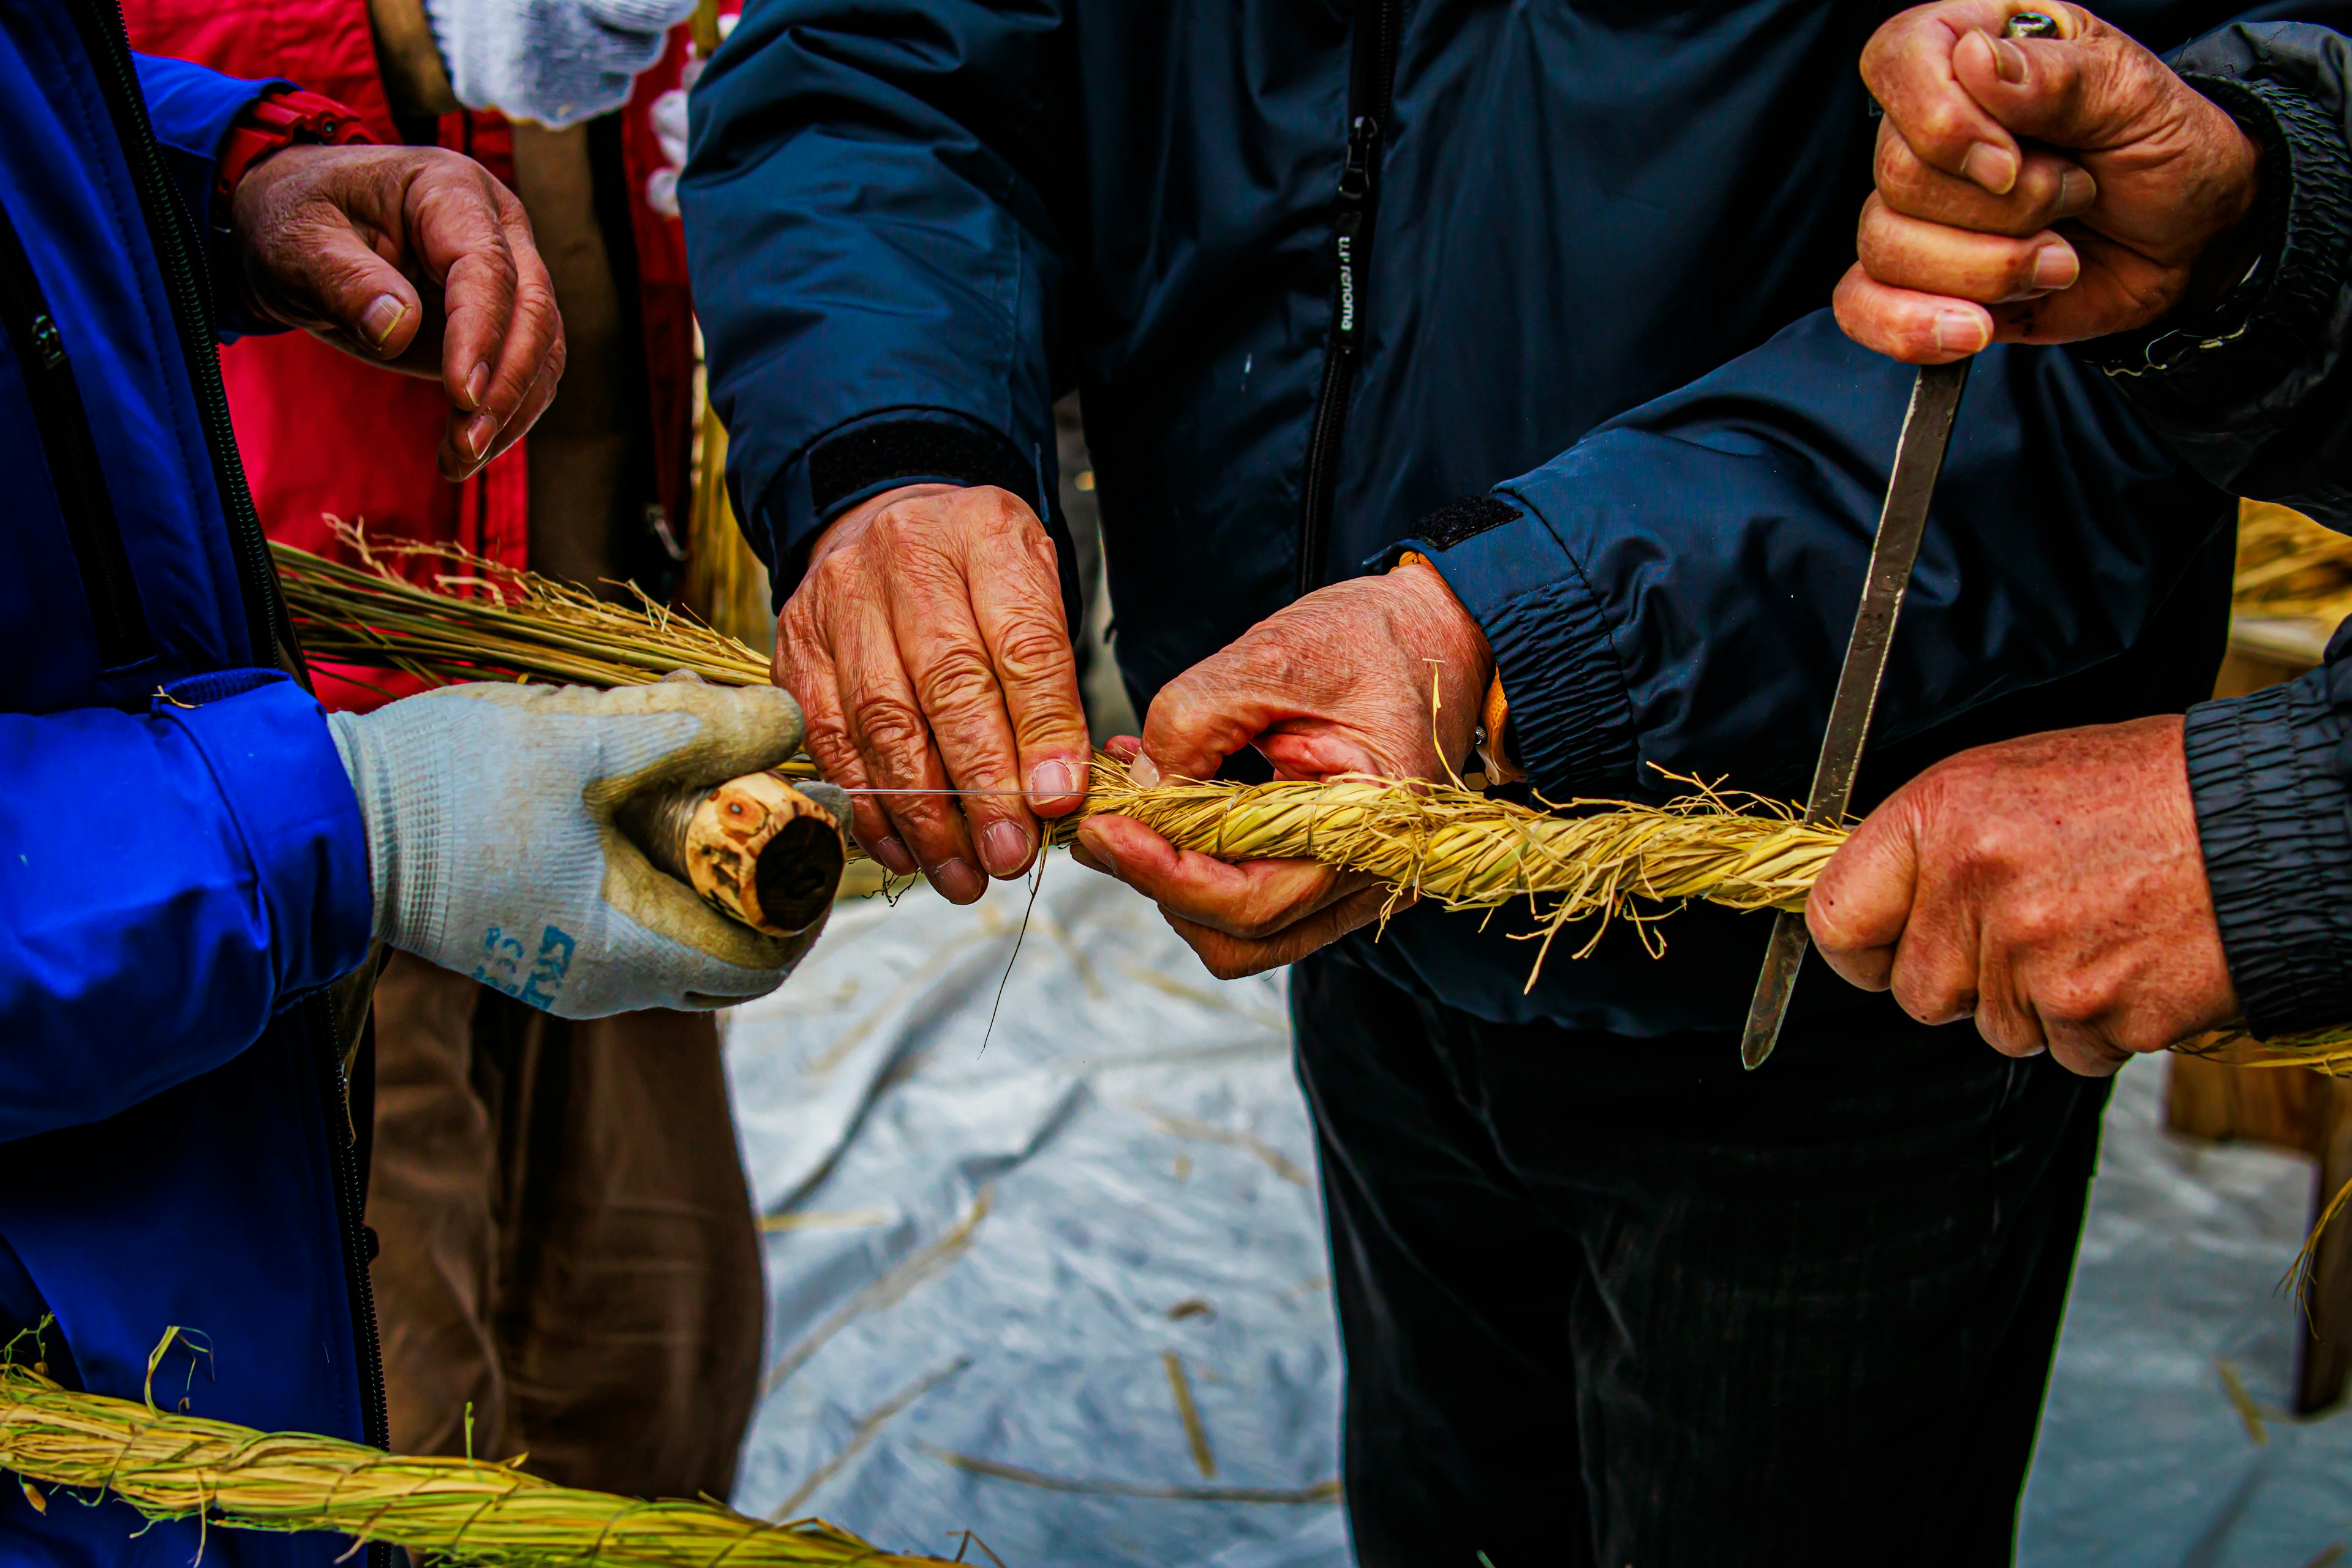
{"x":762,"y":852}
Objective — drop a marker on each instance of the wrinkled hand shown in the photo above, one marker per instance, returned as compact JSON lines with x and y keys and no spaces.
{"x":928,"y":645}
{"x":2037,"y":190}
{"x":414,"y":257}
{"x":2053,"y":886}
{"x":1339,"y":682}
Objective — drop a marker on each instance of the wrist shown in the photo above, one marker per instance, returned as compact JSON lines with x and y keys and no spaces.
{"x":270,"y":124}
{"x":850,"y":526}
{"x":2228,"y":254}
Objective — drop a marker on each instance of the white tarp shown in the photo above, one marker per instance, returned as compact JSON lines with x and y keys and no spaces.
{"x":1033,"y":1257}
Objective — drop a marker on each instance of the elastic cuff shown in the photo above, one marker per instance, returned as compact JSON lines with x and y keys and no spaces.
{"x":268,"y":745}
{"x":2241,"y":349}
{"x":2266,"y":777}
{"x":1571,"y":719}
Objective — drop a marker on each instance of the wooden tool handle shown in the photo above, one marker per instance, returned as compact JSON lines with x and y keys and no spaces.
{"x":757,"y":849}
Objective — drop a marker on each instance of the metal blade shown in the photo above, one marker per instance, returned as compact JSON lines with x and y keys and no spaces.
{"x":1918,"y":462}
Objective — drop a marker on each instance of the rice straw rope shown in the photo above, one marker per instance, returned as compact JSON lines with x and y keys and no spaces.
{"x":1581,"y":860}
{"x":468,"y":1512}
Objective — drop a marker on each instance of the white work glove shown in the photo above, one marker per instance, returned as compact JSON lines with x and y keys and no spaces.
{"x":555,"y":61}
{"x":493,"y":851}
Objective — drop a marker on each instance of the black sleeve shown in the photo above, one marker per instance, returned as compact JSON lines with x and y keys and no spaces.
{"x":2271,"y":777}
{"x":2253,"y":392}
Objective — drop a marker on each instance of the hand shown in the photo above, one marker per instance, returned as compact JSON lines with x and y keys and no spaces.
{"x":928,"y":645}
{"x":338,"y":240}
{"x":2131,"y":200}
{"x":1339,"y":682}
{"x":2053,"y":886}
{"x":494,"y":847}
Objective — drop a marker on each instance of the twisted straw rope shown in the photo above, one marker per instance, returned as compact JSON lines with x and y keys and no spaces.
{"x":1464,"y":851}
{"x":464,"y":1512}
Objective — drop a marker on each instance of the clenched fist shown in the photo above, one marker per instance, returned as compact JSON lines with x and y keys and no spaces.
{"x":2052,"y":887}
{"x":2037,"y":190}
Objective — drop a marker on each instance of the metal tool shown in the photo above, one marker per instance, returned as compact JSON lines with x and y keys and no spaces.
{"x":1918,"y":462}
{"x":1024,"y":793}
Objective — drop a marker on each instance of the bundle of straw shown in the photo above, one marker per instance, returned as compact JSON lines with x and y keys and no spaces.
{"x":464,"y":1512}
{"x":483,"y":621}
{"x":2290,"y":567}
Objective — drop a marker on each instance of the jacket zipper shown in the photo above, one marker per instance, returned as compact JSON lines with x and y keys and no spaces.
{"x":1371,"y":83}
{"x":177,"y":247}
{"x":117,"y":620}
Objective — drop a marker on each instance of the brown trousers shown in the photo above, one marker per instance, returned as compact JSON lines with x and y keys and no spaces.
{"x":566,"y":1239}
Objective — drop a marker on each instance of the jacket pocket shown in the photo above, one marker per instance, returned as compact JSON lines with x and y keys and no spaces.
{"x":117,"y":619}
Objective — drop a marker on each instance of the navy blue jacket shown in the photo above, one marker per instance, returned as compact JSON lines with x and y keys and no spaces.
{"x":180,"y":854}
{"x":1321,"y":268}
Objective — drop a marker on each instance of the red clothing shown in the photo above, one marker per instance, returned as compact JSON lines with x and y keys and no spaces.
{"x":323,"y":433}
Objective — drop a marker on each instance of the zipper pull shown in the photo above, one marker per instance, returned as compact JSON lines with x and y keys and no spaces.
{"x":1356,"y":174}
{"x":47,"y":342}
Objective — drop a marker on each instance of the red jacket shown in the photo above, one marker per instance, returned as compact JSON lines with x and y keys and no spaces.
{"x":323,"y":433}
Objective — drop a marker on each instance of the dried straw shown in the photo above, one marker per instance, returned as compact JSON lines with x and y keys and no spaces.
{"x":464,"y":1512}
{"x":2290,"y":567}
{"x":483,"y":621}
{"x":1465,"y":851}
{"x":1588,"y":859}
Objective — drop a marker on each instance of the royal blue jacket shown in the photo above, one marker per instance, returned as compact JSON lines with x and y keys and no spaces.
{"x":181,"y":857}
{"x":1322,"y":268}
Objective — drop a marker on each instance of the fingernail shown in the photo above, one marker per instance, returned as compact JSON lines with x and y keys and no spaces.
{"x":1961,"y":331}
{"x":893,"y":854}
{"x":1053,"y":778}
{"x":957,"y":880}
{"x":2076,"y":191}
{"x":2056,"y":267}
{"x":1144,"y":771}
{"x":1004,"y":848}
{"x":378,"y":320}
{"x":2008,"y":61}
{"x":1994,"y":168}
{"x":475,"y":436}
{"x":477,"y":383}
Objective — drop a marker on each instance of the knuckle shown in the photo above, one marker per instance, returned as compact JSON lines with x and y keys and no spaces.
{"x":889,"y":724}
{"x":1031,"y":652}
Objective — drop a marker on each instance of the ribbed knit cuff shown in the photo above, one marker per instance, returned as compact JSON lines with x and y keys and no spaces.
{"x":1571,"y":719}
{"x":2260,"y":333}
{"x":2267,"y":775}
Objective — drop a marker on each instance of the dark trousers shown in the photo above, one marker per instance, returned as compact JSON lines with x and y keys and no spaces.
{"x":1608,"y":1301}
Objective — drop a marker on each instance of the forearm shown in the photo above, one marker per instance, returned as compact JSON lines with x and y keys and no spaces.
{"x":1678,"y":588}
{"x":877,"y":271}
{"x":2274,"y":805}
{"x":2250,"y":388}
{"x":167,"y":882}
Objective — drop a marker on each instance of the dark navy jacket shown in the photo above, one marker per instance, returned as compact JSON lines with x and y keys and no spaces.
{"x":1588,"y":243}
{"x":181,"y":854}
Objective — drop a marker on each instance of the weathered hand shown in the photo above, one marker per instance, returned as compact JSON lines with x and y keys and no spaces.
{"x":929,"y":647}
{"x":2052,"y":886}
{"x":2036,"y":190}
{"x":415,"y":258}
{"x":1339,"y":682}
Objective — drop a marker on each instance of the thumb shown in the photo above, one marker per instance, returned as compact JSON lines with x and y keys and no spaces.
{"x":2093,"y":90}
{"x":334,"y":283}
{"x":1859,"y":909}
{"x":1206,"y":715}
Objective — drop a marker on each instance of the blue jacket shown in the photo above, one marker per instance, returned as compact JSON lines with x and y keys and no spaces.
{"x":181,"y":854}
{"x":1320,"y":268}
